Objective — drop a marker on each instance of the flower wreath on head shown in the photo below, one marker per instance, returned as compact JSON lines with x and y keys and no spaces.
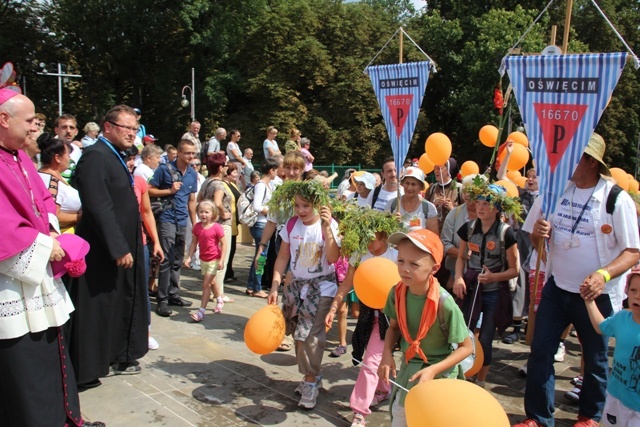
{"x":481,"y":189}
{"x":358,"y":227}
{"x":283,"y":197}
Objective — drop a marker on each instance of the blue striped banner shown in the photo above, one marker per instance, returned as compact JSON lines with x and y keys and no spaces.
{"x":400,"y":89}
{"x":561,"y":99}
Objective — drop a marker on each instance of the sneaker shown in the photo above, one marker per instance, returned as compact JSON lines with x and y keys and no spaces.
{"x":559,"y":356}
{"x":180,"y":302}
{"x":309,"y":396}
{"x":318,"y":384}
{"x":124,"y":368}
{"x":153,"y":344}
{"x":522,"y":371}
{"x":574,"y":394}
{"x":338,"y":351}
{"x":586,"y":422}
{"x":358,"y":420}
{"x":380,"y":396}
{"x":577,"y":380}
{"x":528,"y":423}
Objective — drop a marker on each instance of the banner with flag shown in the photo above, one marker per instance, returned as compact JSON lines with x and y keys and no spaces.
{"x":400,"y":89}
{"x":561,"y":100}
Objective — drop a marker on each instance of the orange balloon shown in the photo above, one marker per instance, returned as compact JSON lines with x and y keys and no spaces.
{"x":514,"y":175}
{"x":519,"y":138}
{"x":438,"y":148}
{"x":436,"y":403}
{"x":512,"y":190}
{"x":373,"y":280}
{"x":425,"y":164}
{"x":633,"y":186}
{"x":521,"y":182}
{"x":264,"y":331}
{"x":621,"y":178}
{"x":477,"y":365}
{"x":488,"y":135}
{"x":469,"y":168}
{"x":518,"y":159}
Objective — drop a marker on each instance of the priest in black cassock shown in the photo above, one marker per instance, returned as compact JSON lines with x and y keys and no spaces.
{"x":108,"y":330}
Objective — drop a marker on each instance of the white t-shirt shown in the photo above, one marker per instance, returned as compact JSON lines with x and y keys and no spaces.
{"x":68,"y":197}
{"x":232,"y":146}
{"x":567,"y":247}
{"x":415,"y":219}
{"x":308,"y":257}
{"x":362,"y":201}
{"x":269,"y":144}
{"x":384,"y":197}
{"x":144,"y":171}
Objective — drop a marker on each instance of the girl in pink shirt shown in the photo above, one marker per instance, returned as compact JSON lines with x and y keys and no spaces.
{"x":208,"y":235}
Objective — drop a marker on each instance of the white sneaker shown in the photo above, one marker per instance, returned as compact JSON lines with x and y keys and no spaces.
{"x":523,"y":370}
{"x":153,"y":344}
{"x":559,"y":356}
{"x":318,"y":384}
{"x":309,"y":396}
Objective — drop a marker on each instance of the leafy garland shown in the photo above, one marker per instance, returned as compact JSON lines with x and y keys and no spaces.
{"x":481,"y":188}
{"x":358,"y":226}
{"x":284,"y":196}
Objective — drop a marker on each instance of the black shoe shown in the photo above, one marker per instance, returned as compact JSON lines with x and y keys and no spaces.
{"x":180,"y":302}
{"x":88,"y":385}
{"x":93,"y":424}
{"x":163,"y":309}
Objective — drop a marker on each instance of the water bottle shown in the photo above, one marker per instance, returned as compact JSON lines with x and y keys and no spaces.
{"x":262,"y":260}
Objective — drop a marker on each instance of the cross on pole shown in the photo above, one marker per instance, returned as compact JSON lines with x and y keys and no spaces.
{"x":60,"y":75}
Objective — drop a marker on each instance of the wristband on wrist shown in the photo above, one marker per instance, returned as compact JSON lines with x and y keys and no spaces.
{"x":605,"y":274}
{"x":262,"y":244}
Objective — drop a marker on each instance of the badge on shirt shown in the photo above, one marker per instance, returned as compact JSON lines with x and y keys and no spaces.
{"x":606,"y":228}
{"x":415,"y":222}
{"x":474,"y":247}
{"x":491,"y":245}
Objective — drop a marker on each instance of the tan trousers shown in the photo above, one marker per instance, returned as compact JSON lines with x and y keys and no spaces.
{"x":309,"y":353}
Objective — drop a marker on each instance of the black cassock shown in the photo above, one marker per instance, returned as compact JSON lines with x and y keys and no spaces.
{"x":110,"y":322}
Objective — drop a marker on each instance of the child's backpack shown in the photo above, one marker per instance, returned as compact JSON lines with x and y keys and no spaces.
{"x":246,"y":214}
{"x":468,"y":362}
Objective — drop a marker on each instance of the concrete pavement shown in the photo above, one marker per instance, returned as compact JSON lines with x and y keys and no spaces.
{"x":203,"y":374}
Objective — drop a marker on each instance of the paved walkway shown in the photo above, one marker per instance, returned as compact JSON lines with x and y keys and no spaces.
{"x":204,"y":375}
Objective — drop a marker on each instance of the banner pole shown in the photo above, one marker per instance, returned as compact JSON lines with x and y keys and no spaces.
{"x":567,"y":27}
{"x":398,"y":172}
{"x":532,"y":303}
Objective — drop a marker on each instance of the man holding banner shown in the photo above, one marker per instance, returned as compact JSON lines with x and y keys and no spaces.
{"x":593,"y":242}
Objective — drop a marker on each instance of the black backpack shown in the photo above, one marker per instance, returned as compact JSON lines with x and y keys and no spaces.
{"x":161,"y":204}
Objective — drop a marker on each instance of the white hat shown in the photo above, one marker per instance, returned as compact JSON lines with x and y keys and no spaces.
{"x":413,"y":172}
{"x":367,"y":179}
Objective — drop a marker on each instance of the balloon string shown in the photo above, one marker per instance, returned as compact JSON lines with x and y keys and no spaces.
{"x":359,"y":362}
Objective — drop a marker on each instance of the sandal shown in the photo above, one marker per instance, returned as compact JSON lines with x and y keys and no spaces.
{"x":219,"y":305}
{"x":338,"y":351}
{"x":285,"y":345}
{"x":261,"y":294}
{"x":513,"y":337}
{"x":197,"y":316}
{"x":358,"y":420}
{"x":249,"y":292}
{"x":227,"y":299}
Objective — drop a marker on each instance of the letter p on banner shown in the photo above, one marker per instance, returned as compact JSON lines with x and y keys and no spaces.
{"x":399,"y":89}
{"x":561,"y":99}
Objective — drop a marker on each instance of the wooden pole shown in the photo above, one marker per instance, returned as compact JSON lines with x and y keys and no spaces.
{"x":554,"y":30}
{"x":398,"y":197}
{"x":567,"y":26}
{"x":532,"y":303}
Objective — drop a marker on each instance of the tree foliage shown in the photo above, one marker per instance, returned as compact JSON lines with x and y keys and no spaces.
{"x":300,"y":63}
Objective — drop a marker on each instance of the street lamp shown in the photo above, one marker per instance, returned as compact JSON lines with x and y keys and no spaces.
{"x":59,"y":75}
{"x":184,"y":102}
